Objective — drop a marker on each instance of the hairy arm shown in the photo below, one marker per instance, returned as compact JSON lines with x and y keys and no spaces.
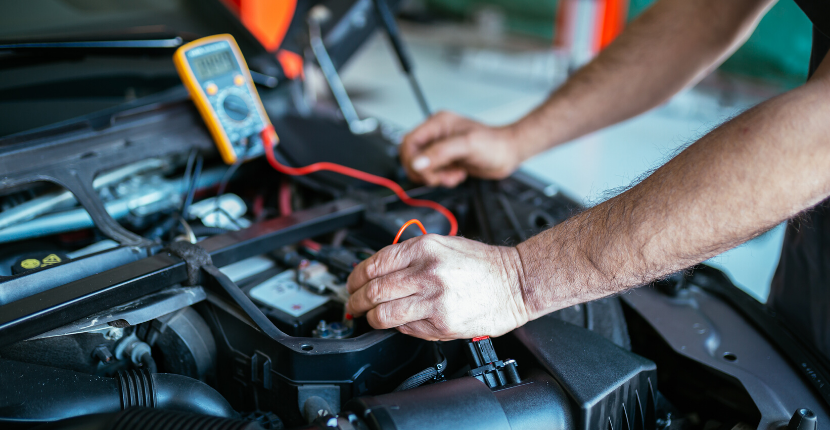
{"x":745,"y":177}
{"x":672,"y":45}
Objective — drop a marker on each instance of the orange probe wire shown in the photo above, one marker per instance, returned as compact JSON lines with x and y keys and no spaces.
{"x":407,"y":224}
{"x":268,"y":136}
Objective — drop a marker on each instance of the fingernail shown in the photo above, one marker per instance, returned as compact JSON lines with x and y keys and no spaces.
{"x":420,"y":163}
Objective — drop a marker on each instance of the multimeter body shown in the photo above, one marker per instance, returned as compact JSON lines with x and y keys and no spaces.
{"x":217,"y":78}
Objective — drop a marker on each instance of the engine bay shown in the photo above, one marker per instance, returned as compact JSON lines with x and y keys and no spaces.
{"x":234,"y":310}
{"x":145,"y":284}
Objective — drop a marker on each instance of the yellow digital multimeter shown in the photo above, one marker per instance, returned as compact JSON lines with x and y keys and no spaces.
{"x":219,"y":82}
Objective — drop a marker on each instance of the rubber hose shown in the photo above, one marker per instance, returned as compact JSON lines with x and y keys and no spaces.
{"x":37,"y":393}
{"x":150,"y":419}
{"x":148,"y":362}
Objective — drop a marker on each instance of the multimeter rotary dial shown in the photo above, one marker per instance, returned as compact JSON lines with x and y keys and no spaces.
{"x":235,"y":105}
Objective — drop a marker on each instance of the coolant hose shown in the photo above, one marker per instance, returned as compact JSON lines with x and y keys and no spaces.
{"x":34,"y":393}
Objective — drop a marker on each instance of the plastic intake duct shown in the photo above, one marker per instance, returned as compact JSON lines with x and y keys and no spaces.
{"x":33,"y":393}
{"x":537,"y":403}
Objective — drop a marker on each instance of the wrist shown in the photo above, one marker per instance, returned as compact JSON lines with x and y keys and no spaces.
{"x":535,"y":298}
{"x":560,"y":270}
{"x":515,"y":280}
{"x":532,"y":135}
{"x":520,"y":139}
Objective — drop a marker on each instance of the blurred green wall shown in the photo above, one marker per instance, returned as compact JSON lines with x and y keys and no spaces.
{"x":778,"y":51}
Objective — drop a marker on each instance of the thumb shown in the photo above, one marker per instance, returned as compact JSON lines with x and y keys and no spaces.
{"x":440,"y":155}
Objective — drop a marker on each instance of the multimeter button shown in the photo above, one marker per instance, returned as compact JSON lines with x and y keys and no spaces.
{"x":238,"y":80}
{"x":211,"y":89}
{"x":235,"y":107}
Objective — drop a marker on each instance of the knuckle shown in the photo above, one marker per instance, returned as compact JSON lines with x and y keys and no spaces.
{"x":430,"y":243}
{"x":374,"y":291}
{"x":371,"y":268}
{"x":384,"y":317}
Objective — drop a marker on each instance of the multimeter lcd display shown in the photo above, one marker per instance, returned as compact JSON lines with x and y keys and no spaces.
{"x":208,"y":66}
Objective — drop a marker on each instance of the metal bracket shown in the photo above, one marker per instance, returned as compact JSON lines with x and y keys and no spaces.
{"x":80,"y":183}
{"x":74,"y":162}
{"x":316,"y":17}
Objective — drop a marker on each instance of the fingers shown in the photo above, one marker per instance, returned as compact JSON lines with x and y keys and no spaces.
{"x":437,"y":127}
{"x":396,"y":313}
{"x":438,"y":163}
{"x":451,"y":177}
{"x":387,"y":260}
{"x":423,"y":329}
{"x":381,"y":290}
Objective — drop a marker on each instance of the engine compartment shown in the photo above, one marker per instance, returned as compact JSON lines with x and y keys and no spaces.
{"x":179,"y":290}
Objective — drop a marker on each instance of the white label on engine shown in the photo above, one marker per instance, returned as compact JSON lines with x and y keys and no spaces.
{"x":282,"y":292}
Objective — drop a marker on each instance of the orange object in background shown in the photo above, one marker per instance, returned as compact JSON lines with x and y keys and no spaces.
{"x":292,"y":64}
{"x":268,"y":21}
{"x":585,"y":27}
{"x":611,"y":21}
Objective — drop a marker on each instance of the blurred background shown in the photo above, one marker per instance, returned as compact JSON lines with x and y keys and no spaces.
{"x":494,"y":60}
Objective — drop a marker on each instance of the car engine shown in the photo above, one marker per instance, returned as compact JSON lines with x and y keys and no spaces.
{"x":144,"y":284}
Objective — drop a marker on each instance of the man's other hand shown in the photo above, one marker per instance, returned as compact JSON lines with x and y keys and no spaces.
{"x":440,"y":288}
{"x":447,"y":147}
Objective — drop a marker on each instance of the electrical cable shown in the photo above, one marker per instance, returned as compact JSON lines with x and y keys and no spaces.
{"x":148,"y":363}
{"x":191,"y":188}
{"x":286,"y":209}
{"x":285,"y":198}
{"x":223,"y":185}
{"x":407,"y":224}
{"x":268,"y":136}
{"x":427,"y":374}
{"x":188,"y":170}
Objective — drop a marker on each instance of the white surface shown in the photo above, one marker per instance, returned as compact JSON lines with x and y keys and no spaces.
{"x":282,"y":292}
{"x":589,"y":169}
{"x":247,"y":267}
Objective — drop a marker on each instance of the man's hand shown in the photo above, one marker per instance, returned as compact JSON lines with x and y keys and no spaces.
{"x":447,"y":147}
{"x":440,"y":288}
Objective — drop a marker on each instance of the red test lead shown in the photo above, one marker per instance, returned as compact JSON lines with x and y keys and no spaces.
{"x":269,"y":139}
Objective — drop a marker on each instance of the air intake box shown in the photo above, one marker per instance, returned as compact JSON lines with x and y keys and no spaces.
{"x":609,"y":387}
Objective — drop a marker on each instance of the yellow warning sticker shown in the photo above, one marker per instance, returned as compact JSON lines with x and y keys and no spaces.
{"x":51,"y":259}
{"x":30,"y":263}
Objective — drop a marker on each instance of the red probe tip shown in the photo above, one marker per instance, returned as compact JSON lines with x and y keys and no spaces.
{"x":349,"y":317}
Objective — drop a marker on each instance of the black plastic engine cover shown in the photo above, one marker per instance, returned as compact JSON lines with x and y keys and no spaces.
{"x":538,"y":402}
{"x":609,"y":387}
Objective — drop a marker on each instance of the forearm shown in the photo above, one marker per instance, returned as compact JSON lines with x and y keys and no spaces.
{"x":748,"y":175}
{"x":672,"y":45}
